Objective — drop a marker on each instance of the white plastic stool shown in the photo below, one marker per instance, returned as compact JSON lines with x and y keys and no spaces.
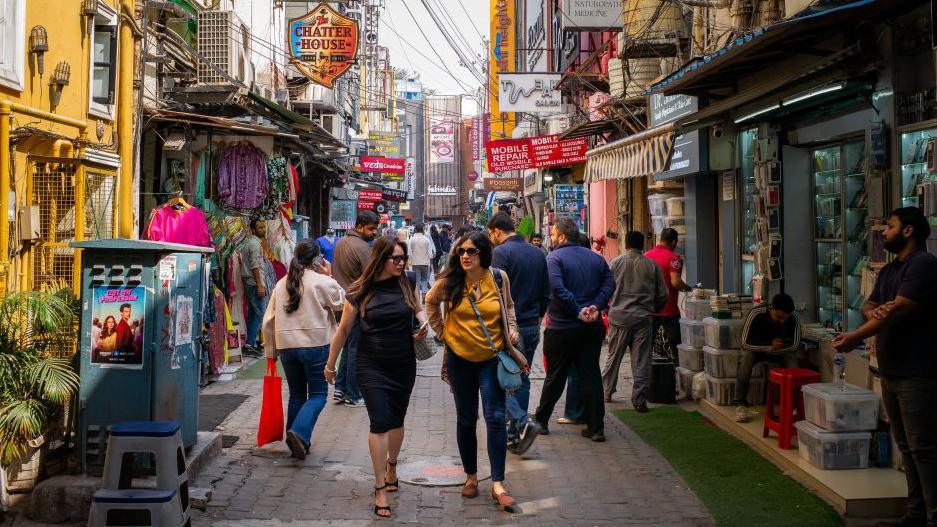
{"x":136,"y":507}
{"x":163,"y":439}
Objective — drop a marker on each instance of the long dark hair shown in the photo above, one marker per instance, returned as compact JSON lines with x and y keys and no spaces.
{"x":363,"y":288}
{"x":104,"y":330}
{"x":454,"y":275}
{"x":306,"y":251}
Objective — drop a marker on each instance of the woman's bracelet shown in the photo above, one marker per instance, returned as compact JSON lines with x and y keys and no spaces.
{"x":332,"y":370}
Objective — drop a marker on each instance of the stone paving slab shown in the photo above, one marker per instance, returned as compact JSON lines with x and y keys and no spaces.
{"x":563,"y":480}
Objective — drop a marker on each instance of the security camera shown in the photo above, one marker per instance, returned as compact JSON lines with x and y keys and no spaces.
{"x":718,"y":131}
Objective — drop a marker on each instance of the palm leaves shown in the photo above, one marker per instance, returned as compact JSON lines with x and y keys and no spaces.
{"x":37,"y":333}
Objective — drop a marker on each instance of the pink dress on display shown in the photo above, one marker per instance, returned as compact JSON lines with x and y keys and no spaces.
{"x":187,"y":226}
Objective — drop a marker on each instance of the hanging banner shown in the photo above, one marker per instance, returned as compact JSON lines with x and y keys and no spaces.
{"x":503,"y":58}
{"x":442,"y":142}
{"x":323,"y":44}
{"x":504,"y":184}
{"x":117,"y":327}
{"x":477,"y":138}
{"x":530,"y":92}
{"x":535,"y":152}
{"x":410,"y":177}
{"x":384,"y":165}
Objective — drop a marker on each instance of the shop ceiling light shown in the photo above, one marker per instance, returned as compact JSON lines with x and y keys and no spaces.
{"x":813,"y":93}
{"x":756,"y":114}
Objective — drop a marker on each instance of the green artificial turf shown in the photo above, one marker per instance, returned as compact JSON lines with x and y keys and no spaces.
{"x":258,"y":369}
{"x":738,"y":486}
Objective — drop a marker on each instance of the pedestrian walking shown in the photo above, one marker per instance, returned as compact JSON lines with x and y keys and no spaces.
{"x":580,"y":287}
{"x":479,"y":321}
{"x":900,"y":315}
{"x":384,"y":303}
{"x":445,"y":245}
{"x":437,"y":247}
{"x":526,"y":267}
{"x":352,"y":255}
{"x":422,"y":252}
{"x":671,"y":265}
{"x":297,"y":327}
{"x":259,"y":278}
{"x":640,"y":291}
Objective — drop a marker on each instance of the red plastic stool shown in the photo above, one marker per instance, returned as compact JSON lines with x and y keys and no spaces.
{"x":789,"y":381}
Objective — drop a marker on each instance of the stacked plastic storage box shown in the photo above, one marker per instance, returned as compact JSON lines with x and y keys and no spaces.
{"x":667,"y":212}
{"x":836,"y":431}
{"x":721,"y":355}
{"x":690,"y":351}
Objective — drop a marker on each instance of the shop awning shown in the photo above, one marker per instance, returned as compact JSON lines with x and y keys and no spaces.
{"x":638,"y":155}
{"x":220,"y":123}
{"x":283,"y":114}
{"x":590,"y":128}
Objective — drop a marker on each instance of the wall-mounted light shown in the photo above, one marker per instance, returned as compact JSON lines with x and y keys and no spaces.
{"x":547,"y":177}
{"x":60,"y":77}
{"x":39,"y":44}
{"x":89,"y":9}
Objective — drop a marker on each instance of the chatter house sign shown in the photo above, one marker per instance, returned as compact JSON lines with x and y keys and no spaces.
{"x":323,"y":44}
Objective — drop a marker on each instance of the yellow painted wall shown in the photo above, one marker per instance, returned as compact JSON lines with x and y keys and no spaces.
{"x":68,"y":41}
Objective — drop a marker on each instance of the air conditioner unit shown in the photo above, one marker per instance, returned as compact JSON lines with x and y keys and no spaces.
{"x":333,"y":124}
{"x":225,"y":43}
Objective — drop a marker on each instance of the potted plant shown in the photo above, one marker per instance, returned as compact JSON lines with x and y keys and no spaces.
{"x":37,"y":334}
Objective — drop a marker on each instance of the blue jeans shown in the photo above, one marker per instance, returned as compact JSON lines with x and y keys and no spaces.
{"x":255,"y":312}
{"x":574,"y":409}
{"x":308,"y":388}
{"x":347,"y":377}
{"x":467,"y":379}
{"x":518,"y":403}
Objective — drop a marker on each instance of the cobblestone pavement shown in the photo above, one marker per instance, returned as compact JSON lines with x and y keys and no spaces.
{"x":563,"y":480}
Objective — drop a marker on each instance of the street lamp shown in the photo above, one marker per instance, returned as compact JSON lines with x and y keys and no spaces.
{"x":89,"y":9}
{"x":39,"y":44}
{"x":60,"y":79}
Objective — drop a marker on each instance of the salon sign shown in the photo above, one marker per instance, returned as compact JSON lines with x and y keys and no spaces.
{"x":323,"y":44}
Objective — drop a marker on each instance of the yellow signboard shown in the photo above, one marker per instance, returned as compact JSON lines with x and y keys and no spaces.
{"x":503,"y":55}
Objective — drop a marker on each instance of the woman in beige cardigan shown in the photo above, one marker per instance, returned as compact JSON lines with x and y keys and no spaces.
{"x":297,"y":327}
{"x":468,"y":291}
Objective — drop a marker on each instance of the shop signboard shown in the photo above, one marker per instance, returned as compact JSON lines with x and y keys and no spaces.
{"x":386,"y":144}
{"x":565,"y":44}
{"x":569,"y":202}
{"x":117,"y":327}
{"x":410,"y":177}
{"x":536,"y":35}
{"x":503,"y":58}
{"x":476,"y":138}
{"x":342,"y":214}
{"x":390,"y":194}
{"x":535,"y":152}
{"x":323,"y":44}
{"x":442,"y":142}
{"x":441,"y":190}
{"x":596,"y":15}
{"x":384,"y":165}
{"x":504,"y":184}
{"x":530,"y":92}
{"x":685,"y":157}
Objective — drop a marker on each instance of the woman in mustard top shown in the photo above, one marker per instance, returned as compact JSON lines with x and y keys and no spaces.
{"x":470,"y":365}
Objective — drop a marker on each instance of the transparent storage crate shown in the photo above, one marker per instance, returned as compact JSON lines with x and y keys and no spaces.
{"x":722,"y":333}
{"x":697,"y":308}
{"x":657,"y":203}
{"x":832,"y":450}
{"x":721,"y":392}
{"x":841,"y":410}
{"x":721,"y":364}
{"x":692,"y":333}
{"x":675,"y":206}
{"x":690,"y":358}
{"x":677,"y":223}
{"x":685,"y":379}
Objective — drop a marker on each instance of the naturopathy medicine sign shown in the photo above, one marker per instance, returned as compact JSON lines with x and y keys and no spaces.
{"x":534,"y":152}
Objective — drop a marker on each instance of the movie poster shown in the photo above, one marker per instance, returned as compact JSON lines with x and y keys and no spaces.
{"x":117,"y":327}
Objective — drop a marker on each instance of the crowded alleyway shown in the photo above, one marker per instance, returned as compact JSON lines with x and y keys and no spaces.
{"x":563,"y":480}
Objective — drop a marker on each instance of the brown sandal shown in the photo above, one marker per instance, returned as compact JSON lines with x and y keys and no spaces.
{"x":469,"y":490}
{"x":504,"y":499}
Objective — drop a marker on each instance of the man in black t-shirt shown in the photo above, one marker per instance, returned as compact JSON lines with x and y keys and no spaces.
{"x":902,"y":315}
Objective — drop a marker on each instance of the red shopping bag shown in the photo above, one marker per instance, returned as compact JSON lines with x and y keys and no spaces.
{"x":270,"y":428}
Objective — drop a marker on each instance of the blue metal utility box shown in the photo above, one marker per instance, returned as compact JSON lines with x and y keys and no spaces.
{"x":141,"y":328}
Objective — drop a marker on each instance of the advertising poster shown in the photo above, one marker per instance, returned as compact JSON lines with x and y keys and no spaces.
{"x":184,"y":317}
{"x":117,"y":327}
{"x":342,"y":214}
{"x":442,"y":142}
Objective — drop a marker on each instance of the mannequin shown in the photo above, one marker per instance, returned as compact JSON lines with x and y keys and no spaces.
{"x":327,"y":244}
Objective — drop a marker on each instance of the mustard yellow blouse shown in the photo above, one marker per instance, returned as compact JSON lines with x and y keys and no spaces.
{"x":463,"y":334}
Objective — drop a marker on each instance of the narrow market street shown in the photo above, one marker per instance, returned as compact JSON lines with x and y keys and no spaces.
{"x":563,"y":480}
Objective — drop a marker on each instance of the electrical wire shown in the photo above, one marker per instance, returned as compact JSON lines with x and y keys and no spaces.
{"x":430,"y":44}
{"x":469,"y":17}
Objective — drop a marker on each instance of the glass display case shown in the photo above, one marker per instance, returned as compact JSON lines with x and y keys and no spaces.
{"x":749,"y":217}
{"x":914,"y":164}
{"x":841,"y":232}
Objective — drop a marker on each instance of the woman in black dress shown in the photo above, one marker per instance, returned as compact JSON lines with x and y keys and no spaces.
{"x":385,"y":302}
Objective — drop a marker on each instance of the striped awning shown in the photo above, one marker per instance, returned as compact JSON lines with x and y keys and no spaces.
{"x":639,"y":155}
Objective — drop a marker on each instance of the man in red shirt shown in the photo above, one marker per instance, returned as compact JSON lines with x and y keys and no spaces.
{"x":671,"y":264}
{"x":124,"y":332}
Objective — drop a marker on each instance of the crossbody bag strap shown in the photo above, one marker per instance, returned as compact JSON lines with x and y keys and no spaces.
{"x":478,"y":316}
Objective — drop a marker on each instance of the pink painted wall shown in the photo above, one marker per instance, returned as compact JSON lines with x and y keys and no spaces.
{"x":602,"y":216}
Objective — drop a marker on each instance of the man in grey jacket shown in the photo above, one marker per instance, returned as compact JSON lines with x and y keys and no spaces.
{"x":640,"y":291}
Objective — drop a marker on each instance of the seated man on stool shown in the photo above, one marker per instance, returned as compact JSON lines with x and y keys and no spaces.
{"x":771,"y":334}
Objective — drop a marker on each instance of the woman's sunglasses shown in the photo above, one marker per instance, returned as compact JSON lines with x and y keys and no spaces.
{"x":398,"y":259}
{"x":471,"y":251}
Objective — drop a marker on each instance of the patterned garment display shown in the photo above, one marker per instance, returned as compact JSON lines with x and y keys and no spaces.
{"x":278,"y":191}
{"x":242,"y":176}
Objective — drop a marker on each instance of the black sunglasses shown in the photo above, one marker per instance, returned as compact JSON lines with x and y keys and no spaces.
{"x":398,"y":259}
{"x":471,"y":251}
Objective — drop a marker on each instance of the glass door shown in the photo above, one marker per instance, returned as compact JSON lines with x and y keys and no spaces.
{"x":749,"y":217}
{"x":855,"y":229}
{"x":914,"y":164}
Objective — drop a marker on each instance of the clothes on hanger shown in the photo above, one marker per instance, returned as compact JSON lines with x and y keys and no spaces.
{"x":278,"y":189}
{"x":179,"y":223}
{"x":242,"y":176}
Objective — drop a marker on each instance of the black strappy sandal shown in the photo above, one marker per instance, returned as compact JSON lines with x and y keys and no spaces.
{"x":379,"y":509}
{"x":394,"y":484}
